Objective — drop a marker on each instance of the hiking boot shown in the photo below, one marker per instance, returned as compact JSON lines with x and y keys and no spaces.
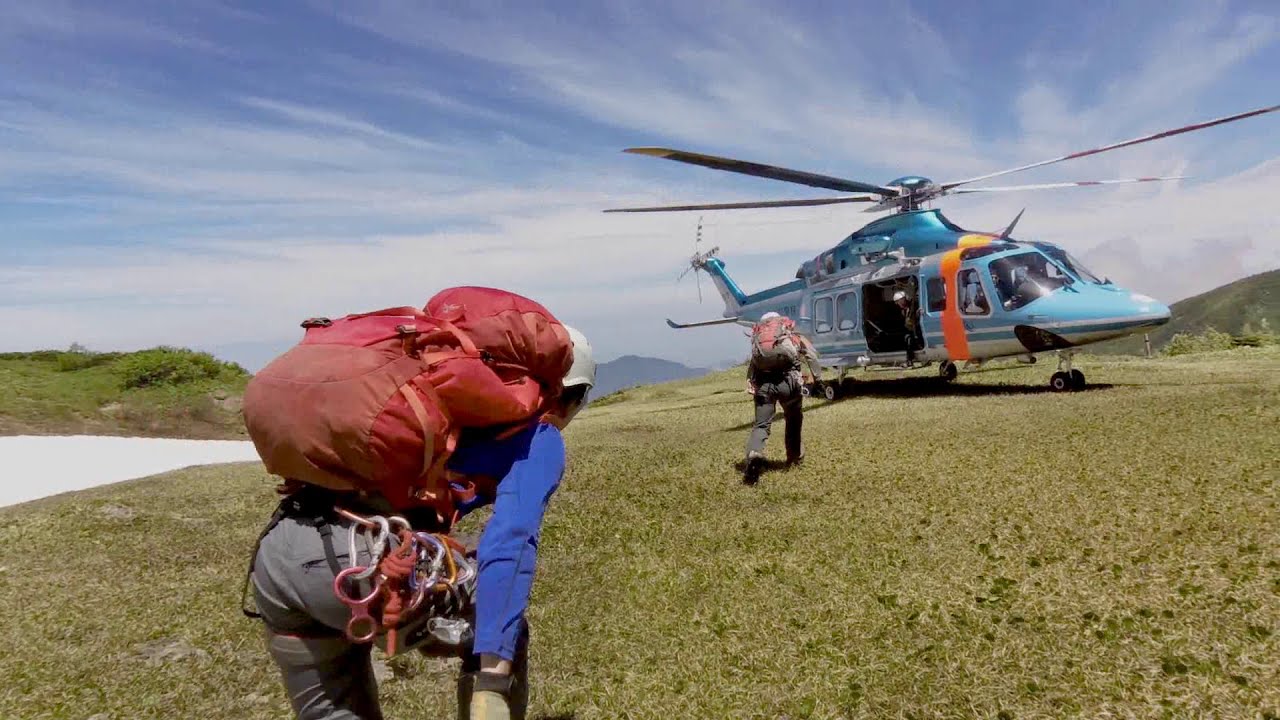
{"x":489,"y":696}
{"x":755,"y":465}
{"x":796,"y":461}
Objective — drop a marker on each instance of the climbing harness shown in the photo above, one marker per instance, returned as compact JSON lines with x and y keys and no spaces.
{"x":421,"y":566}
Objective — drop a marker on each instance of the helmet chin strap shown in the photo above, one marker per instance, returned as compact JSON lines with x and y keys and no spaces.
{"x":562,"y":415}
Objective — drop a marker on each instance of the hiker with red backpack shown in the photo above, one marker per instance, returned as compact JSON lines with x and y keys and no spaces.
{"x":403,"y":421}
{"x":775,"y":375}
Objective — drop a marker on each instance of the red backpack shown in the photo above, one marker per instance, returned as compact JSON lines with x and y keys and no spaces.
{"x":773,"y":345}
{"x":375,"y":402}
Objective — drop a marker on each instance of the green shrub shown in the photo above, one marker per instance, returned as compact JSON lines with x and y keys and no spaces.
{"x":172,"y":366}
{"x":79,"y":358}
{"x":1208,"y":341}
{"x":1257,"y":334}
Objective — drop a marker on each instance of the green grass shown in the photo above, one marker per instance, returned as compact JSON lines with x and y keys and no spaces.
{"x":157,"y":392}
{"x":984,"y":550}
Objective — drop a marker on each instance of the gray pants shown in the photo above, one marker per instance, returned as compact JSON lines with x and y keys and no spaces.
{"x":768,"y":395}
{"x":326,"y":676}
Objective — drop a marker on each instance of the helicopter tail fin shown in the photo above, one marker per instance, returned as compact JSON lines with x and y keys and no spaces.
{"x":730,"y":293}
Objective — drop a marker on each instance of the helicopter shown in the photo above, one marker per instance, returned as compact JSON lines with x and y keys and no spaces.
{"x":913,"y":288}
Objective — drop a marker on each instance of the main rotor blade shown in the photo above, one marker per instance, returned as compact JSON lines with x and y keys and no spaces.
{"x":1126,"y":143}
{"x":1047,"y":186}
{"x":744,"y":205}
{"x":772,"y":172}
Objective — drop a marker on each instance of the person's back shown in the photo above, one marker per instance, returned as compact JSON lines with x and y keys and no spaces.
{"x":774,"y":375}
{"x":309,"y":544}
{"x":774,"y":349}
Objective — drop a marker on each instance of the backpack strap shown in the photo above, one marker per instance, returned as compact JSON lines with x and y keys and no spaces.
{"x":303,"y":501}
{"x":468,"y":345}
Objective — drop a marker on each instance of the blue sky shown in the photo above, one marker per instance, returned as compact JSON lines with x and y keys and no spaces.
{"x":209,"y":173}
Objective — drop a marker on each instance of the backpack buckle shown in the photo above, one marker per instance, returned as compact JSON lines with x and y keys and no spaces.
{"x":407,"y":334}
{"x":317,"y":322}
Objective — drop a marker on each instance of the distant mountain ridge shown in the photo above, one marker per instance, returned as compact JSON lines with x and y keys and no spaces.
{"x":1247,"y":305}
{"x":632,"y":370}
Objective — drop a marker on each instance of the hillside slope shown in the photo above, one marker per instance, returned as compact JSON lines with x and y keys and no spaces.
{"x":162,"y":392}
{"x":632,"y":370}
{"x":1244,"y":306}
{"x":987,"y":549}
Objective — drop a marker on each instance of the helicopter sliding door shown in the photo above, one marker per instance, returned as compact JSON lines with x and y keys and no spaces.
{"x":834,"y":328}
{"x":934,"y":303}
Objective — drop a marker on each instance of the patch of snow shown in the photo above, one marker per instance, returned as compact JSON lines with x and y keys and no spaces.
{"x":37,"y":466}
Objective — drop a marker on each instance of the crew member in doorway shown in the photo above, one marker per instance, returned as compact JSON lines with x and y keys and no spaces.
{"x":908,"y":322}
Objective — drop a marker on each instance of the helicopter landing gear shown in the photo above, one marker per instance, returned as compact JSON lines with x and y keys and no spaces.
{"x":1067,"y":378}
{"x":843,"y":385}
{"x":830,"y":391}
{"x":948,"y":371}
{"x":848,"y":385}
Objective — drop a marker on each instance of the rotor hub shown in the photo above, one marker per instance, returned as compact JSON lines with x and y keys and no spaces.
{"x":912,"y":183}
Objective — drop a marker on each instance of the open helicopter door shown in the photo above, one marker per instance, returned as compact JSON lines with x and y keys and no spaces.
{"x":887,"y":324}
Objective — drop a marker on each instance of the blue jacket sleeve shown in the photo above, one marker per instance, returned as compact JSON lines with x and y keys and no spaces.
{"x":508,"y":548}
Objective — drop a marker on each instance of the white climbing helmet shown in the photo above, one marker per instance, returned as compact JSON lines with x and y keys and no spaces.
{"x":899,"y":295}
{"x":583,"y":370}
{"x":769,"y":316}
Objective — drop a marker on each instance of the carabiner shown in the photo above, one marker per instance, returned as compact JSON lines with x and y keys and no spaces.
{"x":376,"y":549}
{"x":359,"y":606}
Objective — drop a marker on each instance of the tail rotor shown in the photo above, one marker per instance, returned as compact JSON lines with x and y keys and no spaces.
{"x":699,"y":260}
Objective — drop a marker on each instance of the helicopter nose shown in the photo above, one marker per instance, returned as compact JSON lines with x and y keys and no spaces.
{"x":1153,"y":312}
{"x":1160,"y":313}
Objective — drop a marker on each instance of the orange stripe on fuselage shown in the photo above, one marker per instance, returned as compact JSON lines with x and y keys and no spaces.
{"x":954,"y":336}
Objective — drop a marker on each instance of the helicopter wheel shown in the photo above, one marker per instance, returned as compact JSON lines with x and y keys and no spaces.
{"x":1060,"y":382}
{"x":1077,"y":380}
{"x":829,"y":391}
{"x":948,"y":371}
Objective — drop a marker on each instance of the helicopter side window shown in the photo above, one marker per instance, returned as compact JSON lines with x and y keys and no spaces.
{"x":822,"y":308}
{"x":829,"y":263}
{"x":1026,"y":277}
{"x":973,"y":299}
{"x":847,"y":311}
{"x":937,"y":292}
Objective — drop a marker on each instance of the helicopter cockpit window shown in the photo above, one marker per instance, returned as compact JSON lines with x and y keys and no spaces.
{"x":973,"y":299}
{"x":1026,"y":277}
{"x":822,"y":308}
{"x":1070,"y":263}
{"x":847,"y":312}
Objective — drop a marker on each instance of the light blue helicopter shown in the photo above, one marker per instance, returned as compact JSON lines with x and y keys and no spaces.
{"x":913,"y":288}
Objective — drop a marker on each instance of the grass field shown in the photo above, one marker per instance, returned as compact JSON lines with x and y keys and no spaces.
{"x":982,"y":550}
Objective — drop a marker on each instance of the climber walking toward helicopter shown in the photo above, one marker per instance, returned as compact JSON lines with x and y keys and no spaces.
{"x":775,"y":376}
